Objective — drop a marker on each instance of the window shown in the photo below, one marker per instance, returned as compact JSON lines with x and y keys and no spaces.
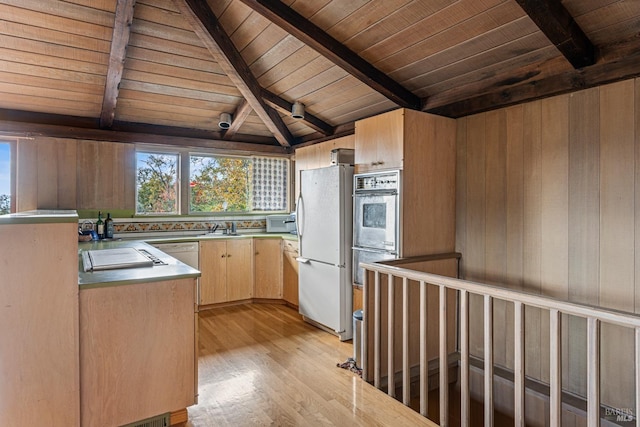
{"x":157,"y":186}
{"x":219,"y":184}
{"x":215,"y":183}
{"x":237,"y":184}
{"x":5,"y":178}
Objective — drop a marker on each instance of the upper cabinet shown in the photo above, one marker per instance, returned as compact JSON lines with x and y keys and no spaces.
{"x":401,"y":138}
{"x":379,"y":142}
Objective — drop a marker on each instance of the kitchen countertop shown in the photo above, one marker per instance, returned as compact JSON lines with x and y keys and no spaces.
{"x":41,"y":216}
{"x":174,"y":270}
{"x":126,"y":276}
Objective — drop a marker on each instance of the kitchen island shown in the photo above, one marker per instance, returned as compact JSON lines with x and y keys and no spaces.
{"x":138,"y":339}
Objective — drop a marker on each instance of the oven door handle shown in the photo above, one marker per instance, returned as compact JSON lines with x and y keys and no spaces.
{"x":302,"y":260}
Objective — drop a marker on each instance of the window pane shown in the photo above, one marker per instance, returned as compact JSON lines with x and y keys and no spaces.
{"x":157,"y":183}
{"x":5,"y":178}
{"x":270,"y":184}
{"x":219,"y":184}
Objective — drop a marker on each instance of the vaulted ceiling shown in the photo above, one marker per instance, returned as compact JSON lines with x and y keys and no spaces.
{"x":162,"y":71}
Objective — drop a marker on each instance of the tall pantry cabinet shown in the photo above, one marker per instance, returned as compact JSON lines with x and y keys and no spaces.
{"x":423,"y":146}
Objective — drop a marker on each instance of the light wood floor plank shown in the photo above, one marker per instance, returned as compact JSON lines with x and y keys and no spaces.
{"x":260,"y":364}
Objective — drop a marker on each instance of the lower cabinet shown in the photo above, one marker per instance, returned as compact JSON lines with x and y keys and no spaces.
{"x":227,"y":273}
{"x":290,"y":272}
{"x":137,"y":351}
{"x":268,"y":273}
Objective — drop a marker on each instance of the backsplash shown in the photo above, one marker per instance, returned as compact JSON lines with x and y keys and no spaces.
{"x":129,"y":227}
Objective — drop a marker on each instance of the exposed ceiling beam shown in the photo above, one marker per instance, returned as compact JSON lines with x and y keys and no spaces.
{"x":119,"y":42}
{"x":313,"y":36}
{"x":239,"y":117}
{"x":561,"y":29}
{"x":26,"y":124}
{"x":309,"y":119}
{"x":206,"y":26}
{"x":622,"y":66}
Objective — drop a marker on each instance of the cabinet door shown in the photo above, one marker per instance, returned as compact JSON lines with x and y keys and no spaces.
{"x":290,"y":272}
{"x":268,"y":268}
{"x":213,"y":266}
{"x":379,"y":142}
{"x":239,"y":269}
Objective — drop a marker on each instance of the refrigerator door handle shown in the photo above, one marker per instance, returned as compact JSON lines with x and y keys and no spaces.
{"x":300,"y":215}
{"x":303,"y":260}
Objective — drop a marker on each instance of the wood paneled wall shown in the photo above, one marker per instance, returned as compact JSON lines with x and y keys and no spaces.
{"x":57,"y":173}
{"x":548,"y":201}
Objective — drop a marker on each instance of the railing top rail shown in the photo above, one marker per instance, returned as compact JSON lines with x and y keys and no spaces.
{"x":608,"y":315}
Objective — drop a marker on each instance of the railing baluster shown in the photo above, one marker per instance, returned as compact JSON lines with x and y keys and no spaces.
{"x":555,"y":368}
{"x":376,"y":330}
{"x":488,"y":361}
{"x":464,"y":359}
{"x":518,"y":364}
{"x":424,"y":363}
{"x":444,"y":360}
{"x":593,"y":372}
{"x":406,"y":369}
{"x":391,"y":345}
{"x":364,"y":340}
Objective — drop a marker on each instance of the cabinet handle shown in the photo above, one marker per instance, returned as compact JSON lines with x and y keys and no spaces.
{"x":228,"y":255}
{"x":223,"y":255}
{"x":257,"y":253}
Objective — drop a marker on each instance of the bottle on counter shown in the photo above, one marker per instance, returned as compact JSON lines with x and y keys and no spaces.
{"x":108,"y":227}
{"x":100,"y":226}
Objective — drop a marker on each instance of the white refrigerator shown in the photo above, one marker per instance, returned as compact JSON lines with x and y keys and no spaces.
{"x":325,"y":232}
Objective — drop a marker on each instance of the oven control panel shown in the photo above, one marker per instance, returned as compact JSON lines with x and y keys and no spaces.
{"x":377,"y":181}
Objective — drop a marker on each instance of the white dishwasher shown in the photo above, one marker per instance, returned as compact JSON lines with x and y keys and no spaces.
{"x":186,"y":252}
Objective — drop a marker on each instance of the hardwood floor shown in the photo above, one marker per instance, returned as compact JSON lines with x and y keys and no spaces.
{"x":260,"y":364}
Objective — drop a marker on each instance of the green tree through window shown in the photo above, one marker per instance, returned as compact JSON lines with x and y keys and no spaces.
{"x":219,"y":184}
{"x":157,"y":183}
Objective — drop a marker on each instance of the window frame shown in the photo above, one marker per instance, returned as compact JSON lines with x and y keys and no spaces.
{"x":13,"y":157}
{"x":184,"y":177}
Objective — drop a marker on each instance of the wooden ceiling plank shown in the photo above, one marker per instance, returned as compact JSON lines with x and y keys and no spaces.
{"x":206,"y":26}
{"x":561,"y":29}
{"x":309,"y":119}
{"x":239,"y":117}
{"x":117,"y":55}
{"x":312,"y":35}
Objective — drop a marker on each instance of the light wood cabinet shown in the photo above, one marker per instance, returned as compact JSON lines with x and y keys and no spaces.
{"x":424,"y":147}
{"x":290,"y":272}
{"x":267,"y":268}
{"x":137,"y":351}
{"x":227,"y":270}
{"x":39,"y":364}
{"x":380,"y":142}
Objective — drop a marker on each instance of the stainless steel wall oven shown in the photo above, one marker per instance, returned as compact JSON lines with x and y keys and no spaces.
{"x":376,"y":218}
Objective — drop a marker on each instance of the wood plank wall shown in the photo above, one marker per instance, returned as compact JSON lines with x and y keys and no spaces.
{"x":58,"y":173}
{"x":548,"y":201}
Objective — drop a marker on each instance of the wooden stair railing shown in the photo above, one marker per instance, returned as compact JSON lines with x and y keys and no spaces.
{"x":595,"y":317}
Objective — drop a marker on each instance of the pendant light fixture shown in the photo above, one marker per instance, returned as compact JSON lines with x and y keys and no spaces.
{"x":225,"y":121}
{"x":297,"y":110}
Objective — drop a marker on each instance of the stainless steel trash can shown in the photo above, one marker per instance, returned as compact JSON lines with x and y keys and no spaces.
{"x":357,"y":337}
